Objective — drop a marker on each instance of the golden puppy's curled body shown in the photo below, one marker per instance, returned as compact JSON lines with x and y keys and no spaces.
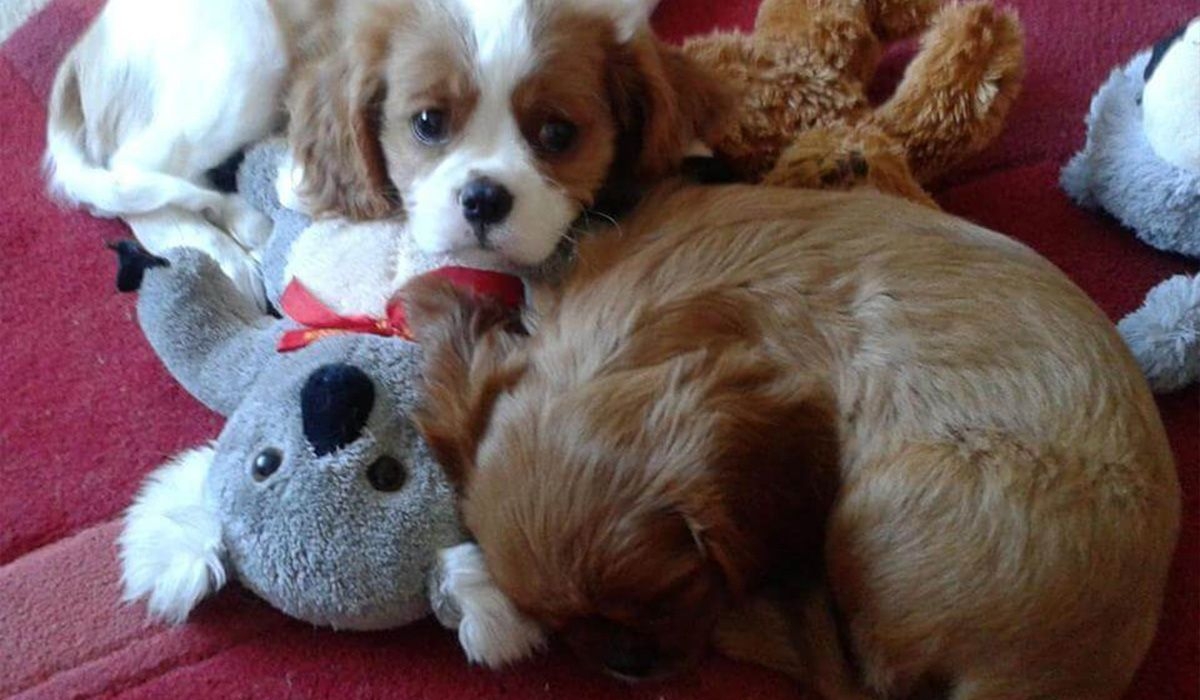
{"x":743,"y":383}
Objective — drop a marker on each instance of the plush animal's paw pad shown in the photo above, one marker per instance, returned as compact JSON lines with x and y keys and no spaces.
{"x":132,"y":262}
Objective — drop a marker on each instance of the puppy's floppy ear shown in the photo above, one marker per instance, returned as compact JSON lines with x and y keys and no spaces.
{"x":471,"y":345}
{"x":722,"y":545}
{"x":334,"y":133}
{"x":171,"y":547}
{"x":662,"y":101}
{"x":740,"y":408}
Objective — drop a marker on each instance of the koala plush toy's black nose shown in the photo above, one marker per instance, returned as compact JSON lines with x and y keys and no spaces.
{"x":335,"y":404}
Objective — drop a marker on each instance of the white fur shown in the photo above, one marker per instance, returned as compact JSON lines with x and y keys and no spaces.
{"x":491,"y":630}
{"x":168,"y":90}
{"x":1164,"y":334}
{"x":352,"y":268}
{"x":171,"y":547}
{"x":288,"y":184}
{"x":355,"y":268}
{"x":1171,"y":103}
{"x":491,"y":145}
{"x":173,"y":227}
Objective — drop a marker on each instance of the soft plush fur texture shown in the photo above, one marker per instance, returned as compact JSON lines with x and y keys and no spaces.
{"x":1119,"y":172}
{"x":803,"y":117}
{"x":744,"y":390}
{"x":172,"y":551}
{"x":1172,"y":98}
{"x":318,"y":538}
{"x":1164,"y":333}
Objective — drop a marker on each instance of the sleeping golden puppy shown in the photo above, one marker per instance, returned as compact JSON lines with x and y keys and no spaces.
{"x":918,"y":428}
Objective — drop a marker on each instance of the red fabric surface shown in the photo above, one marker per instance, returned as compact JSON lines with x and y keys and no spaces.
{"x":88,"y":410}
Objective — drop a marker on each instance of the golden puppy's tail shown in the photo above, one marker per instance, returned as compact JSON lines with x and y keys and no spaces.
{"x":847,"y":34}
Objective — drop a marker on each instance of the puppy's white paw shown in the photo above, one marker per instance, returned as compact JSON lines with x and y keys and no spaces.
{"x":172,"y":227}
{"x":246,"y":274}
{"x":248,"y":226}
{"x":491,"y":630}
{"x":240,"y":265}
{"x":287,"y":185}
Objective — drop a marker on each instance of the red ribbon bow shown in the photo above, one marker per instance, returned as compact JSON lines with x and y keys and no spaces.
{"x":319,"y":321}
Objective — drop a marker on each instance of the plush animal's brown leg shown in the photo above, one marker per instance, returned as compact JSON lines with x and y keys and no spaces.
{"x":846,"y":34}
{"x":959,"y":88}
{"x":845,"y":157}
{"x":794,"y":633}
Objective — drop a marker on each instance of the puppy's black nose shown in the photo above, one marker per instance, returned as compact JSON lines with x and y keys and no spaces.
{"x":629,"y":666}
{"x":485,"y":202}
{"x":630,"y":661}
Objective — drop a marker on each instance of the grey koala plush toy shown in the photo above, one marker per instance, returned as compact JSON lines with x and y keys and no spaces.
{"x":319,"y":495}
{"x":1141,"y":164}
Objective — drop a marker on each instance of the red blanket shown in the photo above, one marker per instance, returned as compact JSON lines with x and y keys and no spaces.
{"x":88,"y":410}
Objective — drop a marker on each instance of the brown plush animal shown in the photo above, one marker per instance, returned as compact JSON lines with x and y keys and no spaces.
{"x":804,"y":119}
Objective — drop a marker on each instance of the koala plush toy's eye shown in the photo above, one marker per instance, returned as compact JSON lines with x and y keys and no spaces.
{"x":266,"y":463}
{"x":386,"y":474}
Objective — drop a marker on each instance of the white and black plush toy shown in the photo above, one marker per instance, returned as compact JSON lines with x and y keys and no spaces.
{"x":1141,"y":164}
{"x":320,"y":494}
{"x":1171,"y":99}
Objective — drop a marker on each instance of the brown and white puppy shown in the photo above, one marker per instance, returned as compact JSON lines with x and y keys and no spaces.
{"x":489,"y":123}
{"x":496,"y":123}
{"x":751,"y":387}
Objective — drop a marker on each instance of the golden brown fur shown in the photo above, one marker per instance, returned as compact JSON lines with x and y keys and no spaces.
{"x":810,"y":410}
{"x":804,"y":118}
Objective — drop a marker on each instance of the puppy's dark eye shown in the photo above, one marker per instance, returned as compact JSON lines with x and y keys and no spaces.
{"x":431,"y":126}
{"x":386,"y":474}
{"x":266,"y":463}
{"x":556,"y":136}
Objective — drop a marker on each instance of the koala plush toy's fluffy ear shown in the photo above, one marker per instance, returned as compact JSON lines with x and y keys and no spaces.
{"x":171,"y":548}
